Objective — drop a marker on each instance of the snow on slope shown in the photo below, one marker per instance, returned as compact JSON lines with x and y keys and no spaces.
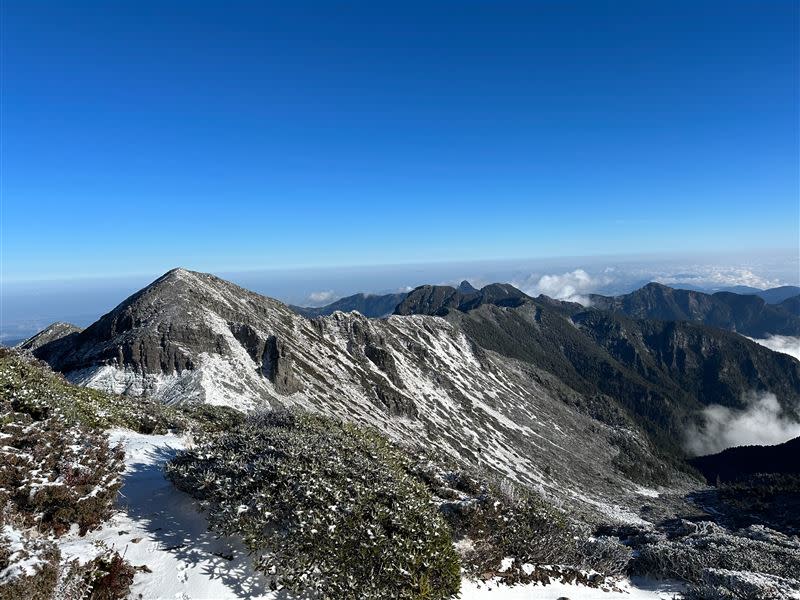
{"x":417,"y":378}
{"x":162,"y":528}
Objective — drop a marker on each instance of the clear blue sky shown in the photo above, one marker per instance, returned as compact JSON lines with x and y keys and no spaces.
{"x":137,"y":136}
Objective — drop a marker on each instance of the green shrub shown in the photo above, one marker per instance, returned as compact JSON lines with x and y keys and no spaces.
{"x":325,"y":506}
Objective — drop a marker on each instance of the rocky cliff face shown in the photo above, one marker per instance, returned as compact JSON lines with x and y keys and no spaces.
{"x":193,"y":337}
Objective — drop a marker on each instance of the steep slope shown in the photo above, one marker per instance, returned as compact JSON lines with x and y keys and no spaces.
{"x":746,"y":314}
{"x":193,"y":337}
{"x":369,"y":305}
{"x":49,"y":335}
{"x":656,"y":374}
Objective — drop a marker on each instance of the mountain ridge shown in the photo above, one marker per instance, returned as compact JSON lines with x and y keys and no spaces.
{"x":746,"y":314}
{"x":194,"y":337}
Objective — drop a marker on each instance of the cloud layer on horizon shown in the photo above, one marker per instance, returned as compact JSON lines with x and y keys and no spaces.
{"x":762,"y":423}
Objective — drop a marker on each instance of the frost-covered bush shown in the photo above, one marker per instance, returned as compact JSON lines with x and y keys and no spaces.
{"x":722,"y":584}
{"x":54,"y":474}
{"x":28,"y":566}
{"x":605,"y":554}
{"x":325,"y":506}
{"x":497,"y":521}
{"x":106,"y":577}
{"x":692,"y":548}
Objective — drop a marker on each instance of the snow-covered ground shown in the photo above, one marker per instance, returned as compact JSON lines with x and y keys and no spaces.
{"x":162,"y":528}
{"x":636,"y":590}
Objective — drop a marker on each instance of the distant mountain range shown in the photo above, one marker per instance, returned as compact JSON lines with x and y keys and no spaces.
{"x":491,"y":375}
{"x":750,"y":315}
{"x":369,"y":305}
{"x":750,"y":311}
{"x":770,"y":296}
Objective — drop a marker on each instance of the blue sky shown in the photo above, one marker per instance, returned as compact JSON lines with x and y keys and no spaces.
{"x":137,"y":136}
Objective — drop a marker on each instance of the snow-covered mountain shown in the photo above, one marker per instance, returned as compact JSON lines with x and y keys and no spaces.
{"x":194,"y":337}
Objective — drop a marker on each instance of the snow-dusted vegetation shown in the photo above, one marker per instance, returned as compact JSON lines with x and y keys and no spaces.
{"x":325,"y":506}
{"x":60,"y":476}
{"x":509,"y":532}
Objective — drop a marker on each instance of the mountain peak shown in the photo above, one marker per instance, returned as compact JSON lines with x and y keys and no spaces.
{"x":655,"y":285}
{"x":465,"y":287}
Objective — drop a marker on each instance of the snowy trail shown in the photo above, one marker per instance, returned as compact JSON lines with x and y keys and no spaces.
{"x":162,"y":528}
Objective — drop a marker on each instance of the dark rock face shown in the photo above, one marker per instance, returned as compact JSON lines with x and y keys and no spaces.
{"x":746,"y":314}
{"x":277,"y":366}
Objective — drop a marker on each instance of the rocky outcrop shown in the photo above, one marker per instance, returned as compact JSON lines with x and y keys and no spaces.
{"x":277,"y":366}
{"x":56,"y":340}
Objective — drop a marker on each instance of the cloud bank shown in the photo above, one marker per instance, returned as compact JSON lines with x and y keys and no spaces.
{"x":572,"y":286}
{"x":781,"y":343}
{"x":762,"y":423}
{"x":324,"y":296}
{"x":718,"y":276}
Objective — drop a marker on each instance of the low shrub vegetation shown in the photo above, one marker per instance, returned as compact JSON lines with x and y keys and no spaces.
{"x":31,"y":387}
{"x":54,"y":474}
{"x":686,"y":550}
{"x":106,"y":577}
{"x":508,"y":531}
{"x":29,"y":566}
{"x":324,"y":506}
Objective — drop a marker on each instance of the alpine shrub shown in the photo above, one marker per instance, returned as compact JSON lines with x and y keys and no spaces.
{"x":28,"y":566}
{"x":325,"y":506}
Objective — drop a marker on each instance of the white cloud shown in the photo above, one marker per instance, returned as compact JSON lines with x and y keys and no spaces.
{"x":324,"y":296}
{"x":761,"y":423}
{"x":572,"y":286}
{"x":716,"y":276}
{"x":782,"y":343}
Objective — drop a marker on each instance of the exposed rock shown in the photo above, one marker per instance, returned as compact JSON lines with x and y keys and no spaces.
{"x":277,"y":366}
